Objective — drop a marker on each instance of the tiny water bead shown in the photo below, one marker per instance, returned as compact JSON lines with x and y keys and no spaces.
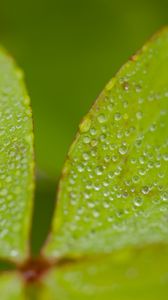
{"x":145,"y":190}
{"x":138,"y":201}
{"x":164,"y":196}
{"x":86,"y":156}
{"x":102,"y":118}
{"x":117,"y":116}
{"x":165,"y":157}
{"x":80,"y":168}
{"x":110,"y":106}
{"x":93,"y":131}
{"x":99,"y":170}
{"x":125,"y":85}
{"x":86,"y":139}
{"x":139,"y":115}
{"x":122,"y":150}
{"x":16,"y":161}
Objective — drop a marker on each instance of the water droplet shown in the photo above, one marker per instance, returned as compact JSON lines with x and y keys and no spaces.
{"x":93,"y":131}
{"x":145,"y":190}
{"x":99,"y":170}
{"x":122,"y":150}
{"x":80,"y":168}
{"x":117,"y":117}
{"x":86,"y":139}
{"x":165,"y":157}
{"x":139,"y":115}
{"x":96,"y":214}
{"x":164,"y":196}
{"x":101,"y":118}
{"x":125,"y":85}
{"x":138,"y":201}
{"x":85,"y":156}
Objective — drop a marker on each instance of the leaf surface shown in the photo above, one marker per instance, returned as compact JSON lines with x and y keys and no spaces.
{"x":126,"y":274}
{"x":114,"y":188}
{"x":16,"y":161}
{"x":11,"y":287}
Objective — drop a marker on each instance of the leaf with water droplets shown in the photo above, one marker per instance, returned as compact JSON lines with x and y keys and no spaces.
{"x":114,"y":188}
{"x":16,"y":161}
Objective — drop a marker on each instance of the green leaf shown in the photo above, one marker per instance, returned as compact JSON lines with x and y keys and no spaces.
{"x":128,"y":274}
{"x":114,"y":188}
{"x":11,"y":287}
{"x":16,"y":161}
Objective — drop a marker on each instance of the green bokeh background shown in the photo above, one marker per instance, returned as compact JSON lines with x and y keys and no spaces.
{"x":69,"y":50}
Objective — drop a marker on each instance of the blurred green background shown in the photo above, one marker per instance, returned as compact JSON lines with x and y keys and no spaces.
{"x":69,"y":50}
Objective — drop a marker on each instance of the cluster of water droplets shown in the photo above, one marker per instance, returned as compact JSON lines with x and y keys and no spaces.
{"x":114,"y":190}
{"x":16,"y":166}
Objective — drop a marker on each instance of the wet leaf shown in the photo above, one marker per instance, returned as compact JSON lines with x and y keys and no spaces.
{"x":114,"y":188}
{"x":16,"y":161}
